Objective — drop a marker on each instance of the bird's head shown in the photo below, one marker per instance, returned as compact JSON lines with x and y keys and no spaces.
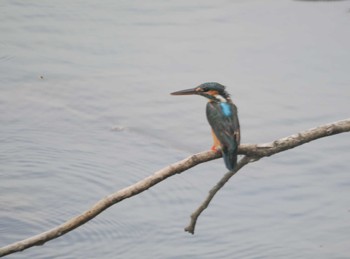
{"x":213,"y":91}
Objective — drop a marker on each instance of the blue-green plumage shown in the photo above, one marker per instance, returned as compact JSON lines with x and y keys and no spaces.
{"x":223,"y":118}
{"x":226,"y":109}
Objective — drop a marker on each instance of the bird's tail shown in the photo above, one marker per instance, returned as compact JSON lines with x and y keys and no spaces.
{"x":230,"y":158}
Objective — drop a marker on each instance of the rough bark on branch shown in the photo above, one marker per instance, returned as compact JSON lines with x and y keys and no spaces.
{"x":251,"y":152}
{"x":255,"y":152}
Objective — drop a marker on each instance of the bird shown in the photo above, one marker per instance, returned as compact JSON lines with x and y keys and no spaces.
{"x":222,"y":116}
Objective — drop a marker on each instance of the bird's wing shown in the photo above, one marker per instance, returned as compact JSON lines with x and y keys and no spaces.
{"x":223,"y":119}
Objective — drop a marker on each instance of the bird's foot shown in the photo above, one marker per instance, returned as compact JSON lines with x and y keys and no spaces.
{"x":216,"y":149}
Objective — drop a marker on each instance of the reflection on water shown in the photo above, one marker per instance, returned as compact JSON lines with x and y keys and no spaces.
{"x":86,"y":111}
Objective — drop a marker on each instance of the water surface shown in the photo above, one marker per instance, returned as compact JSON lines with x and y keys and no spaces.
{"x":85,"y":111}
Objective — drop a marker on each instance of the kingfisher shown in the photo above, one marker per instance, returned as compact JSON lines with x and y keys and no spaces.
{"x":223,"y":118}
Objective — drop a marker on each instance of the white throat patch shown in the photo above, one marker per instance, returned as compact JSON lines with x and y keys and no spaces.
{"x":220,"y":98}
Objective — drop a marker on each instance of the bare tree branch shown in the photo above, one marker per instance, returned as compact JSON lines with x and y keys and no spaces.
{"x":194,"y":216}
{"x":252,"y":152}
{"x":255,"y":152}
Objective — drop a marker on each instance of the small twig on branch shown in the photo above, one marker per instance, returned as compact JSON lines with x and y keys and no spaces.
{"x":194,"y":216}
{"x":251,"y":151}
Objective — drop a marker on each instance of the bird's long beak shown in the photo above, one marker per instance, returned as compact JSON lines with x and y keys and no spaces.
{"x":185,"y":92}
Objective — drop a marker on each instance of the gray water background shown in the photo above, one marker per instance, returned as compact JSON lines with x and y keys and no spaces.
{"x":85,"y":110}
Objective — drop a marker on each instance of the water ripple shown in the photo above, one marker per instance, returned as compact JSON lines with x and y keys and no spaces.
{"x":6,"y":58}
